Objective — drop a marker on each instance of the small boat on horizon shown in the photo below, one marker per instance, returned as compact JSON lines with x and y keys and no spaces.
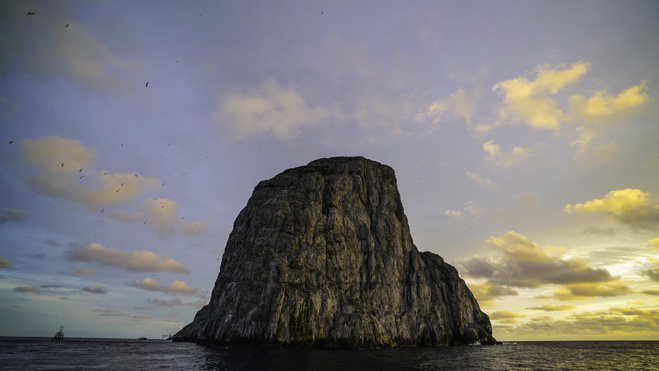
{"x":60,"y":334}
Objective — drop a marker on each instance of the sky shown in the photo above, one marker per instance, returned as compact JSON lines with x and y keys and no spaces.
{"x":523,"y":135}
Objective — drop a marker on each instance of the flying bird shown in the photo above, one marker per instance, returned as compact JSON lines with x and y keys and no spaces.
{"x":62,"y":164}
{"x":11,"y":141}
{"x":30,"y":13}
{"x":67,"y":25}
{"x":80,"y":170}
{"x":147,"y":84}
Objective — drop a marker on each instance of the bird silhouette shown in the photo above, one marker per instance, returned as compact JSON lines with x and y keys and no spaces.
{"x":147,"y":84}
{"x":67,"y":25}
{"x":62,"y":164}
{"x":30,"y":13}
{"x":11,"y":141}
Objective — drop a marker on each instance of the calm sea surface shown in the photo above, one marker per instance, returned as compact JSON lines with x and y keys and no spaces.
{"x":118,"y":354}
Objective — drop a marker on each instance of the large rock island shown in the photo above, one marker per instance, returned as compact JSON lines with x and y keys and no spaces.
{"x":322,"y":256}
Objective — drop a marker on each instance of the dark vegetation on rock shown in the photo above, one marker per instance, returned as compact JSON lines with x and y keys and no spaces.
{"x":322,"y":257}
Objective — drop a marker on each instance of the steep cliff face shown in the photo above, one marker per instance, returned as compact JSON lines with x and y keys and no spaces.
{"x":322,"y":256}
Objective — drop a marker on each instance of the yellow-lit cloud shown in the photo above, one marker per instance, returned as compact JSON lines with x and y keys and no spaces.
{"x":479,"y":179}
{"x":458,"y":104}
{"x":65,"y":168}
{"x":174,"y":288}
{"x":655,"y":242}
{"x":84,"y":272}
{"x":522,"y":263}
{"x":504,"y":315}
{"x":553,"y":308}
{"x":268,"y":109}
{"x":530,"y":102}
{"x":495,"y":156}
{"x":486,"y":292}
{"x":585,"y":290}
{"x":601,"y":106}
{"x":626,"y":206}
{"x":161,"y":214}
{"x":134,"y":261}
{"x":620,"y":322}
{"x":26,"y":289}
{"x":453,"y":213}
{"x":476,"y":211}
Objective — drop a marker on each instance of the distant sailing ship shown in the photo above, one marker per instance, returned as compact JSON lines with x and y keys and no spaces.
{"x":59,"y":335}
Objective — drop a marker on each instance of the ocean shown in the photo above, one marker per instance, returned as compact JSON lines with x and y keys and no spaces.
{"x":127,"y":354}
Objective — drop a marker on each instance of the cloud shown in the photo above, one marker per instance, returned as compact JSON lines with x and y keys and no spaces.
{"x":593,"y":229}
{"x":652,"y":274}
{"x":476,"y":211}
{"x":589,"y":325}
{"x":133,"y":261}
{"x":267,"y":109}
{"x":531,"y":200}
{"x":83,"y":272}
{"x":479,"y":179}
{"x":487,"y":292}
{"x":601,"y":106}
{"x":26,"y":289}
{"x":12,"y":215}
{"x":655,"y":242}
{"x":5,"y":263}
{"x":165,"y":303}
{"x":495,"y":156}
{"x":530,"y":102}
{"x":505,"y":315}
{"x":453,"y":213}
{"x":458,"y":104}
{"x":631,"y":207}
{"x":174,"y":288}
{"x":110,"y":313}
{"x":522,"y":263}
{"x":161,"y":214}
{"x":553,"y":308}
{"x":73,"y":53}
{"x":585,"y":290}
{"x":95,"y":289}
{"x":651,"y":292}
{"x":61,"y":167}
{"x":379,"y":115}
